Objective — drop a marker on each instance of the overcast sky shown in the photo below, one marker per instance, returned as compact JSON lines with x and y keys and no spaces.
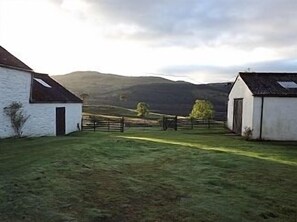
{"x":193,"y":40}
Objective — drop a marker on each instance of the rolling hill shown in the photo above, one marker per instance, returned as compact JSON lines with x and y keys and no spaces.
{"x":163,"y":95}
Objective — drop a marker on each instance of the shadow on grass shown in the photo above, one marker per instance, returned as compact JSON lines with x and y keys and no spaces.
{"x":247,"y":153}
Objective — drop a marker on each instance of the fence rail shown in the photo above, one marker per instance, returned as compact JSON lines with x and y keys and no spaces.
{"x":189,"y":124}
{"x":90,"y":123}
{"x":177,"y":123}
{"x":120,"y":124}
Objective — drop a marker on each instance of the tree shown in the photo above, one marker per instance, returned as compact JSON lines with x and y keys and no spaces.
{"x":142,"y":109}
{"x":202,"y":109}
{"x":17,"y":117}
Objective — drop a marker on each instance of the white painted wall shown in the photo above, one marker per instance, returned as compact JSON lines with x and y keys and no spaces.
{"x":15,"y":86}
{"x":238,"y":91}
{"x":42,"y":120}
{"x":279,"y":118}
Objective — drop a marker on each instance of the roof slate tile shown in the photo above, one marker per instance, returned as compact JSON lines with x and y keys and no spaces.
{"x":9,"y":60}
{"x":54,"y":94}
{"x":266,"y":84}
{"x":40,"y":93}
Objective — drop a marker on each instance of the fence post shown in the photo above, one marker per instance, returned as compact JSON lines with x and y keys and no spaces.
{"x":108,"y":125}
{"x":94,"y":126}
{"x":192,"y":123}
{"x":122,"y":124}
{"x":175,"y":123}
{"x":82,"y":123}
{"x":164,"y":123}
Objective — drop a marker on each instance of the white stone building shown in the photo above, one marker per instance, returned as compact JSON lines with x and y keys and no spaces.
{"x":53,"y":110}
{"x":266,"y":103}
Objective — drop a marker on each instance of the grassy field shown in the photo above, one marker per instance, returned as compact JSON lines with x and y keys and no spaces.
{"x":200,"y":175}
{"x":107,"y":110}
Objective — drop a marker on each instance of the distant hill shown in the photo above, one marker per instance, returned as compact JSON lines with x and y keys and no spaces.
{"x":163,"y":95}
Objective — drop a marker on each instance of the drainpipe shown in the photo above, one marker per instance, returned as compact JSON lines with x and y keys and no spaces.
{"x":31,"y":88}
{"x":261,"y":119}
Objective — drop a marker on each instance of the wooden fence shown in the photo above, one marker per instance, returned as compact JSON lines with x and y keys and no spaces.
{"x":176,"y":123}
{"x":91,"y":123}
{"x":120,"y":124}
{"x":189,"y":124}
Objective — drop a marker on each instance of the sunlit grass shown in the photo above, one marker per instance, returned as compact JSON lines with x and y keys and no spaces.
{"x":254,"y":154}
{"x":151,"y":175}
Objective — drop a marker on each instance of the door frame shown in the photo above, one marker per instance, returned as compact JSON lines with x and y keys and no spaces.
{"x":236,"y":120}
{"x":60,"y":121}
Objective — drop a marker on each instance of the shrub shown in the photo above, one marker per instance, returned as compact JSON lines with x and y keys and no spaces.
{"x":17,"y":117}
{"x":247,"y":133}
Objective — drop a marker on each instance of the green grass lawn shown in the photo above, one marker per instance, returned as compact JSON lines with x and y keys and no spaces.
{"x":151,"y":175}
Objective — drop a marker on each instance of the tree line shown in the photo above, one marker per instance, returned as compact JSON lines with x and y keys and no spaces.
{"x":202,"y":109}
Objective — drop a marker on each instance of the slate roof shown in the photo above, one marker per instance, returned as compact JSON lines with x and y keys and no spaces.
{"x":55,"y":93}
{"x":43,"y":89}
{"x":266,"y":84}
{"x":10,"y":61}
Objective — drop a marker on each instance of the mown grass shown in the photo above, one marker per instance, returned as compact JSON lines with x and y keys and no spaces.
{"x":199,"y":175}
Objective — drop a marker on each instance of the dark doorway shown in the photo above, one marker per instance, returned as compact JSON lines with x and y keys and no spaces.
{"x":237,"y":116}
{"x":60,"y":121}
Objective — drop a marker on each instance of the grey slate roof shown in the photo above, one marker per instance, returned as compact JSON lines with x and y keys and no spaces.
{"x":10,"y":61}
{"x":266,"y":84}
{"x":53,"y":94}
{"x":40,"y":93}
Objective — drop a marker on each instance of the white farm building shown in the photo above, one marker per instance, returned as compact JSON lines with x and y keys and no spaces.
{"x":52,"y":109}
{"x":266,"y":103}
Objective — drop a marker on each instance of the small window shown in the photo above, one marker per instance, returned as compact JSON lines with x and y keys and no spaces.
{"x":288,"y":84}
{"x":42,"y":82}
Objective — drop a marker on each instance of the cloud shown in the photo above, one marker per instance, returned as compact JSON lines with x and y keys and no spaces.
{"x":191,"y":23}
{"x":204,"y":73}
{"x":197,"y":40}
{"x":286,"y":65}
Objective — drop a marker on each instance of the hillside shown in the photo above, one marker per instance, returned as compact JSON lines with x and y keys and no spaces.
{"x":163,"y":95}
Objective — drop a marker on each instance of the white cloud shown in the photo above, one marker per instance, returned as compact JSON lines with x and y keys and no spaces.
{"x":181,"y":39}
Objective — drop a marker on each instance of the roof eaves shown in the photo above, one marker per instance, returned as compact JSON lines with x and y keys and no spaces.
{"x":54,"y":101}
{"x":16,"y":68}
{"x":239,"y":75}
{"x":233,"y":83}
{"x":276,"y":95}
